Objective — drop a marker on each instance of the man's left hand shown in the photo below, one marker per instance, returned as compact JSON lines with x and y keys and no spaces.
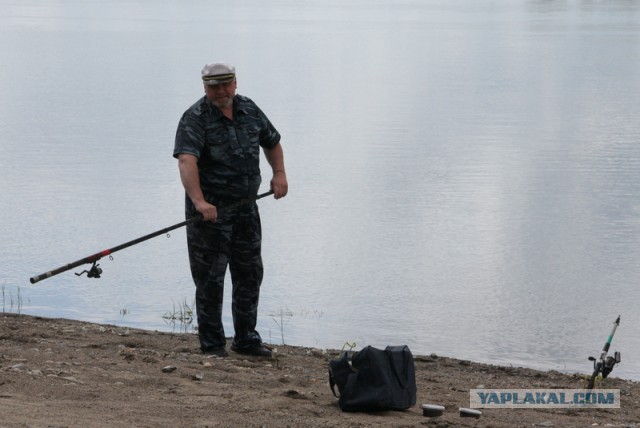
{"x":279,"y":184}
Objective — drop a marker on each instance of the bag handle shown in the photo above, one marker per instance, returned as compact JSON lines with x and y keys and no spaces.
{"x":332,"y":383}
{"x":340,"y":368}
{"x":332,"y":378}
{"x":396,"y":363}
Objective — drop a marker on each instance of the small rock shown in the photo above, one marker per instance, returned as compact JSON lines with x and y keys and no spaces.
{"x":169,"y":369}
{"x":71,"y":379}
{"x":545,"y":424}
{"x":317,"y":352}
{"x":198,"y":376}
{"x":292,"y":393}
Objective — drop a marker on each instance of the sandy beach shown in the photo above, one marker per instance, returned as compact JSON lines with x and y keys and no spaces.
{"x":65,"y":373}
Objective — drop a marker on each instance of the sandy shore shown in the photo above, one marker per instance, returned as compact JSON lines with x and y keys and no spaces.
{"x":63,"y":373}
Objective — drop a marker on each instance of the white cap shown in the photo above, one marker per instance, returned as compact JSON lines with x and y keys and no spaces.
{"x":219,"y":72}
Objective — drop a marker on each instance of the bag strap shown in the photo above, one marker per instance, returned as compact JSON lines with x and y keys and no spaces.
{"x":332,"y":378}
{"x":399,"y":366}
{"x":338,"y":373}
{"x":332,"y":383}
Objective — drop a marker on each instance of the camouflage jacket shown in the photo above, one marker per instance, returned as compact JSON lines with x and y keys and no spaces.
{"x":228,"y":151}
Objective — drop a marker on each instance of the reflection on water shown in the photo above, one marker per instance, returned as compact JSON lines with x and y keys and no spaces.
{"x":464,"y":176}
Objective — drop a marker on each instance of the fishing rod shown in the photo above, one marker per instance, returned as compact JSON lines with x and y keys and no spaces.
{"x":605,"y":364}
{"x":95,"y":271}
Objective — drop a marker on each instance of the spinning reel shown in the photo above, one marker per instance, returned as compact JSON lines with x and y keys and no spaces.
{"x":94,"y":272}
{"x":609,"y":362}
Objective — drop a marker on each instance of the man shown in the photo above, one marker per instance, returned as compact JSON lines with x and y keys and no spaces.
{"x":218,"y":145}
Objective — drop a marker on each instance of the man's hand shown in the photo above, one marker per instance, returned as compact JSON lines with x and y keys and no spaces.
{"x":209,"y":212}
{"x":279,"y":184}
{"x":188,"y":165}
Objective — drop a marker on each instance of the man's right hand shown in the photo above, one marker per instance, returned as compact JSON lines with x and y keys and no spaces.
{"x":209,"y":212}
{"x":188,"y":165}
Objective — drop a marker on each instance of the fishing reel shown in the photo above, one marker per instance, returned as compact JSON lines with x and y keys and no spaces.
{"x":609,"y":363}
{"x":94,"y":272}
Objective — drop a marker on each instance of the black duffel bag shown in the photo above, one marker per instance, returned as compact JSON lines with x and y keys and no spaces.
{"x":374,"y":379}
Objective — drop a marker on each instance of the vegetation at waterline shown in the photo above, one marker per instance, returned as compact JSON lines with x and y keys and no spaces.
{"x":181,"y":314}
{"x":11,"y":302}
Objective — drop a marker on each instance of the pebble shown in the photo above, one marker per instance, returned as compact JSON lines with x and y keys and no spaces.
{"x":317,"y":352}
{"x":71,"y":379}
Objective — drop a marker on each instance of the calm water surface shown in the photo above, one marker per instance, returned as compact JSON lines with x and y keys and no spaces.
{"x":464,"y":174}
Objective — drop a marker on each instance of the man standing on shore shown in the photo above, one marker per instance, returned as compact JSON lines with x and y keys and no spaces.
{"x":218,"y":145}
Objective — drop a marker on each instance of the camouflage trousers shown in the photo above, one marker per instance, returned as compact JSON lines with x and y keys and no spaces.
{"x":233,"y":241}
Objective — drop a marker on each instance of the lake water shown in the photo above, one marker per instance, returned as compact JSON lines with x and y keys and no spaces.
{"x":464,"y":175}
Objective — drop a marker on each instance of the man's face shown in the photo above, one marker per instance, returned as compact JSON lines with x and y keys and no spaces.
{"x":221,"y":95}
